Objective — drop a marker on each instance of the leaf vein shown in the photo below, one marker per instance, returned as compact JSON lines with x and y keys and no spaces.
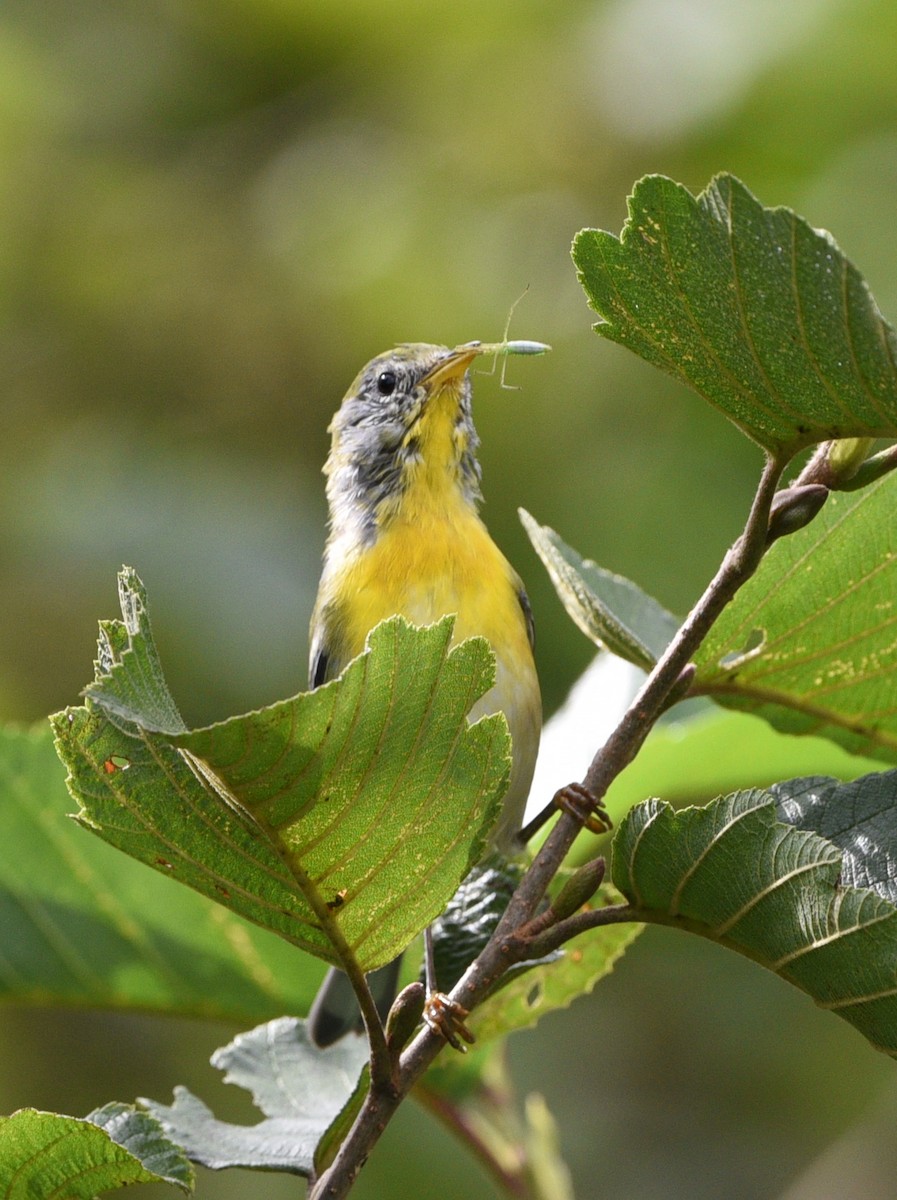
{"x":780,"y":881}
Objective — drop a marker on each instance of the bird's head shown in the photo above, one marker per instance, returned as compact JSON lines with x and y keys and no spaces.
{"x":405,"y":429}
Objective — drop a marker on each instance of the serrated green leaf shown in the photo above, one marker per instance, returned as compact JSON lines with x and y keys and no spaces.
{"x":735,"y":874}
{"x":610,"y":610}
{"x":860,"y":818}
{"x":81,"y":924}
{"x":386,"y":796}
{"x":130,"y":684}
{"x":362,"y":804}
{"x":808,"y":643}
{"x":45,"y":1156}
{"x":761,"y":314}
{"x":299,"y":1087}
{"x":155,"y":808}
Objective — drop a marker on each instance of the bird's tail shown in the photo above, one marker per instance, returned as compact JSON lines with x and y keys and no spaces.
{"x":335,"y":1010}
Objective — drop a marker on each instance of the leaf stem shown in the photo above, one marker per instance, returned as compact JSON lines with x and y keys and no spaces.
{"x":551,"y":939}
{"x":509,"y":943}
{"x":381,"y":1060}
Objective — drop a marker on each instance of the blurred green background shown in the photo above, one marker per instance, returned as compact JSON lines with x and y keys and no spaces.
{"x":211,"y":214}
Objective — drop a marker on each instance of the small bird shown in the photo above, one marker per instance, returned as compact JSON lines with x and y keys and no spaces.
{"x":403,"y":486}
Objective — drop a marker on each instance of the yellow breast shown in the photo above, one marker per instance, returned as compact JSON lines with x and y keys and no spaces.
{"x":430,"y":565}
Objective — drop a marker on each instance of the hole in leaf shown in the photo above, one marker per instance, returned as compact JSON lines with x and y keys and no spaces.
{"x":754,"y":645}
{"x":115,"y":763}
{"x":534,"y":995}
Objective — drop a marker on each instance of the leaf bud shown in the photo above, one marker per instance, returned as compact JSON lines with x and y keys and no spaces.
{"x":793,"y":508}
{"x":835,"y":463}
{"x":580,"y":887}
{"x":846,"y":456}
{"x":405,"y":1016}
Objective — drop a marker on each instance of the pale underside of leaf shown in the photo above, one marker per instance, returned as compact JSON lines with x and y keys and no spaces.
{"x":610,"y":610}
{"x":299,"y":1087}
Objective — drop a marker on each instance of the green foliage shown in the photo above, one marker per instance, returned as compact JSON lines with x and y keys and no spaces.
{"x":763,"y":316}
{"x":807,"y":642}
{"x":44,"y":1156}
{"x":300,"y":1089}
{"x":86,"y":925}
{"x":308,"y":817}
{"x":734,"y":873}
{"x":696,"y":286}
{"x":345,"y":820}
{"x":190,"y":279}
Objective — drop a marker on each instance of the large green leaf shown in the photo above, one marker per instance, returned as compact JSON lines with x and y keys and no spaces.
{"x":758,"y":312}
{"x":44,"y":1156}
{"x":810,"y":641}
{"x":736,"y":874}
{"x":298,"y":1086}
{"x":82,"y":924}
{"x":352,"y":811}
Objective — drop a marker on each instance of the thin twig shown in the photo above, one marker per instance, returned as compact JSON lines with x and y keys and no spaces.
{"x":513,"y":1183}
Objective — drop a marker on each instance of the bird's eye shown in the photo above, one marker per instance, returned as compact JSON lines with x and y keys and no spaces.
{"x":386,"y":383}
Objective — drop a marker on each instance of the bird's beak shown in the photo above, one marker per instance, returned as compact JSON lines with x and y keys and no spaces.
{"x":453,"y":366}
